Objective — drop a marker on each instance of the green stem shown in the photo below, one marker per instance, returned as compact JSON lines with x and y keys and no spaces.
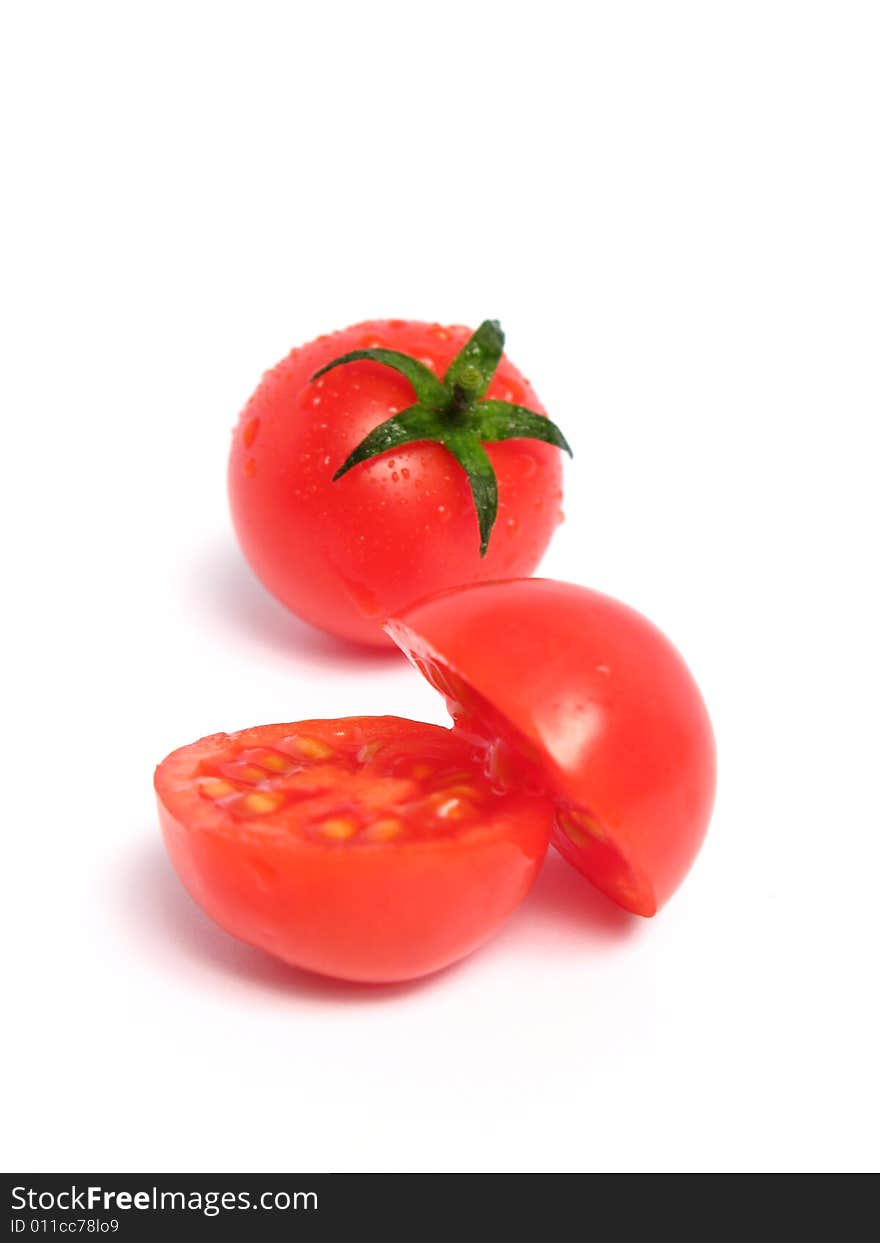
{"x":452,"y":412}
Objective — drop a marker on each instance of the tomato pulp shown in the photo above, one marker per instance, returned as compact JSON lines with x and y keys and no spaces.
{"x":370,"y":849}
{"x":345,"y":555}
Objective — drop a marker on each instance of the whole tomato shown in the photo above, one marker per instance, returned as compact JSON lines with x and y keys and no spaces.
{"x":389,"y":461}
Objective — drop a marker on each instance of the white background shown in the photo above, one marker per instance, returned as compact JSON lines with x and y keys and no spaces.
{"x":674,"y":211}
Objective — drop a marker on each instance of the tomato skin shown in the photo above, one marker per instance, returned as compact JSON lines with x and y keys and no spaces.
{"x":601,"y":701}
{"x":344,"y":556}
{"x":371,"y":913}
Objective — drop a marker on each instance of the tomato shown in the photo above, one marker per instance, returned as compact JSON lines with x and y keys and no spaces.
{"x":378,"y":849}
{"x":589,"y":696}
{"x":357,"y":491}
{"x":371,"y":848}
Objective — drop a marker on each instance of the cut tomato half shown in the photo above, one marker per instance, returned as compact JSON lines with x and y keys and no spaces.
{"x":379,"y":849}
{"x":369,"y":848}
{"x":585,"y":695}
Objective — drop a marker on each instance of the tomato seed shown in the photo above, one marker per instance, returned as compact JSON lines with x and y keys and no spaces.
{"x":339,"y":827}
{"x":460,"y":791}
{"x":383,"y":830}
{"x":216,"y":787}
{"x":273,"y":761}
{"x":243,"y":772}
{"x":257,"y":803}
{"x":308,"y":748}
{"x":580,"y":828}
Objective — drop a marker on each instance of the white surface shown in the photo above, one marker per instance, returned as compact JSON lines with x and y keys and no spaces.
{"x":674,"y":211}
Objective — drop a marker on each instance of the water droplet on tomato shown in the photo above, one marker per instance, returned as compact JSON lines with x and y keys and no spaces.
{"x":405,"y":473}
{"x":250,"y":467}
{"x":250,"y":432}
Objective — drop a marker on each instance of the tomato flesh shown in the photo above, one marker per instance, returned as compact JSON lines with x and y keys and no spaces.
{"x":371,"y":849}
{"x":589,"y":694}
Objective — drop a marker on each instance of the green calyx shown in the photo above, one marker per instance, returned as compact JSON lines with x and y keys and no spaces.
{"x":454,"y":413}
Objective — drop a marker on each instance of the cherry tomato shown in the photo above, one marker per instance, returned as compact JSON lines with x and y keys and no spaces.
{"x":591,"y":698}
{"x":370,"y":848}
{"x":405,"y":516}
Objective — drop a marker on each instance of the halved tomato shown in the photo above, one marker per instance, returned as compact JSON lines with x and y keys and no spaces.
{"x":378,"y":849}
{"x":590,"y":698}
{"x":368,"y":848}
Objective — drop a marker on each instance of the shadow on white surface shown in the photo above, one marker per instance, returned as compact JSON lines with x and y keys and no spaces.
{"x":562,"y":911}
{"x":565,"y":910}
{"x":168,"y":922}
{"x":221,"y":587}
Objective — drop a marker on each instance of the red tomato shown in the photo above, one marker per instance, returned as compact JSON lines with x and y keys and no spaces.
{"x":346,"y":554}
{"x":369,"y":848}
{"x":595,"y":700}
